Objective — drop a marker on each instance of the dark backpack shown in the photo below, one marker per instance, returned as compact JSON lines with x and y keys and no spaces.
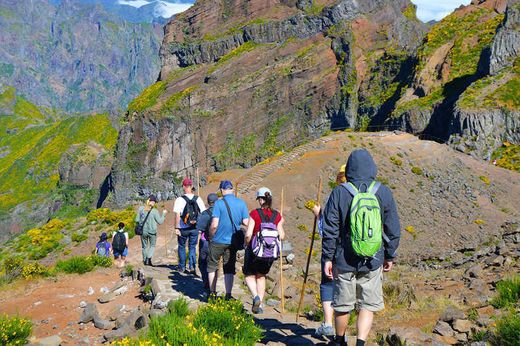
{"x":119,"y":242}
{"x":205,"y":227}
{"x":191,"y":211}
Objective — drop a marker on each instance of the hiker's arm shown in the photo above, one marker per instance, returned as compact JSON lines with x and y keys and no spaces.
{"x":391,"y":225}
{"x":250,"y":228}
{"x":331,"y":224}
{"x":159,"y":217}
{"x":213,"y":227}
{"x":177,"y":224}
{"x":279,"y":228}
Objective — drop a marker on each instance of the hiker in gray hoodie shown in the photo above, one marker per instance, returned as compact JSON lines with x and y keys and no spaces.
{"x":355,"y":276}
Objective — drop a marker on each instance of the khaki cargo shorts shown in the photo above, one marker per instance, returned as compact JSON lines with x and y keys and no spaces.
{"x":365,"y":289}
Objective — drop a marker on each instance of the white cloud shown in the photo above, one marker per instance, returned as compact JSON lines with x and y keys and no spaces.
{"x":166,"y":9}
{"x":133,"y":3}
{"x":436,"y":10}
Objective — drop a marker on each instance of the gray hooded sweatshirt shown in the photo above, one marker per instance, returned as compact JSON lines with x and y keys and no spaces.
{"x":336,"y":245}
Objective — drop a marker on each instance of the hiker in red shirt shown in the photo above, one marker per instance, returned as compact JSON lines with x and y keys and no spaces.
{"x":263,"y":239}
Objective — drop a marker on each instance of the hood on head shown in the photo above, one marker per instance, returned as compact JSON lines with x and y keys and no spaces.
{"x":361,"y":166}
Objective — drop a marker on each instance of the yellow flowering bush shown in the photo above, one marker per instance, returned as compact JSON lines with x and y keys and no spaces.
{"x":39,"y":242}
{"x":14,"y":330}
{"x":310,"y":204}
{"x":113,"y":218}
{"x":219,"y":323}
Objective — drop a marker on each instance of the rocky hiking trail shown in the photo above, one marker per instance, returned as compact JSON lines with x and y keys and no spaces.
{"x":446,"y":258}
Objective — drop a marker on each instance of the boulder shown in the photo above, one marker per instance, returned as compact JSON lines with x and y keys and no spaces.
{"x":399,"y":336}
{"x":443,"y":328}
{"x":474,"y":271}
{"x":118,"y":333}
{"x":89,"y":313}
{"x":452,"y":313}
{"x":100,"y":323}
{"x":463,"y":326}
{"x":290,"y":258}
{"x":116,"y":312}
{"x":107,"y":297}
{"x":53,"y":340}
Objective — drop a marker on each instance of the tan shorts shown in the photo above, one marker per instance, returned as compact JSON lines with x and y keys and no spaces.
{"x":365,"y":289}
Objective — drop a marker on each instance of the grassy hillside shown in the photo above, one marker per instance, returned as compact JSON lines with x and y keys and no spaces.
{"x":457,"y":43}
{"x":32,"y":143}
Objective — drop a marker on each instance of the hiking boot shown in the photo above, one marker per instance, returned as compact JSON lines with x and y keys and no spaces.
{"x":229,"y":297}
{"x":324,"y":330}
{"x":339,"y":341}
{"x":150,"y":262}
{"x":192,"y":272}
{"x":256,"y":305}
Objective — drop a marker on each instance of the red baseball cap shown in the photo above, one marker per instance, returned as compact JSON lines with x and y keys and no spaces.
{"x":187,"y":182}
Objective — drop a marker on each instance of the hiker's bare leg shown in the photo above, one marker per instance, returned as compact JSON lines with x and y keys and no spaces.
{"x":341,"y":322}
{"x":328,"y":312}
{"x":123,"y":261}
{"x":228,"y":282}
{"x":212,"y":278}
{"x":251,"y":284}
{"x":260,"y":285}
{"x":364,"y":323}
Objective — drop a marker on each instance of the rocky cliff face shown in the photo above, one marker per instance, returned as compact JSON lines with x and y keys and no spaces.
{"x":75,"y":57}
{"x":243,"y":80}
{"x":465,"y":88}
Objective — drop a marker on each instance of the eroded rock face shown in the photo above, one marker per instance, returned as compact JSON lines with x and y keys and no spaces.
{"x":233,"y":93}
{"x":506,"y":45}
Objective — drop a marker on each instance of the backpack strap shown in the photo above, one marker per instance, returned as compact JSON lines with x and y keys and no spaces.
{"x":350,"y":188}
{"x":374,"y":187}
{"x":229,"y":214}
{"x":184,"y":197}
{"x":264,"y":218}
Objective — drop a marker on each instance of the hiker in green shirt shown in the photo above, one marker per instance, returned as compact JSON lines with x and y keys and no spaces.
{"x":150,"y":217}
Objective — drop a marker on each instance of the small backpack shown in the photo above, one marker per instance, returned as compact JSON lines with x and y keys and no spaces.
{"x":103,"y":249}
{"x":266,"y":243}
{"x":191,"y":211}
{"x":366,"y":226}
{"x":119,"y":242}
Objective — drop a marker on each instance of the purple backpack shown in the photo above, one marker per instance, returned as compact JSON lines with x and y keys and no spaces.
{"x":266,"y":243}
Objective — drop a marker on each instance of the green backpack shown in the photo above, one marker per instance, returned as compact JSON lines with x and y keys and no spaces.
{"x":366,"y":226}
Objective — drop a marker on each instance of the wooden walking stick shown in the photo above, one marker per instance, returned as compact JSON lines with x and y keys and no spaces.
{"x":281,"y":261}
{"x":309,"y":256}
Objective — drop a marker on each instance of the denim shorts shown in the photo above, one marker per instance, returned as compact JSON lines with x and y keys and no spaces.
{"x":124,"y":253}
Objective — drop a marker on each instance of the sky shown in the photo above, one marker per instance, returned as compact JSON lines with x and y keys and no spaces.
{"x":427,"y":10}
{"x":436,"y":9}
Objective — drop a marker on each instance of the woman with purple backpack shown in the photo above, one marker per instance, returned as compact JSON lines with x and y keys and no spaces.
{"x":263,"y":245}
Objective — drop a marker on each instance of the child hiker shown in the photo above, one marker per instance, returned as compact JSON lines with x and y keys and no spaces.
{"x":120,"y":245}
{"x":103,"y":247}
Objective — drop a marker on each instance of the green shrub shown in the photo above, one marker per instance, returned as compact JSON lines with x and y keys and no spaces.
{"x":508,"y":293}
{"x":78,"y":264}
{"x":396,"y":161}
{"x":485,"y":180}
{"x":78,"y":237}
{"x":507,"y":332}
{"x":417,"y":170}
{"x":179,"y":307}
{"x":14,"y":330}
{"x":101,"y":261}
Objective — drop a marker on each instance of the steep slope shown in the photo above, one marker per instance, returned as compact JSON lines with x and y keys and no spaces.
{"x":243,"y":80}
{"x":465,"y":87}
{"x":75,"y":57}
{"x":50,"y":163}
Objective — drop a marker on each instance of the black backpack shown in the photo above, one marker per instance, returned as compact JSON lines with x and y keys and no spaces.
{"x":119,"y":242}
{"x":191,"y":211}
